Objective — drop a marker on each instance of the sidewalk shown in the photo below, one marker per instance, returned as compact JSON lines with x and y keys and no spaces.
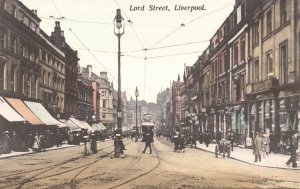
{"x":246,"y":155}
{"x":15,"y":154}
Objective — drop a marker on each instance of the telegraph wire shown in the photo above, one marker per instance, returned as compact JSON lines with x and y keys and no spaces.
{"x":176,"y":54}
{"x":137,"y":36}
{"x":191,"y":21}
{"x":56,"y":9}
{"x":97,"y":59}
{"x":168,"y":46}
{"x":101,"y":23}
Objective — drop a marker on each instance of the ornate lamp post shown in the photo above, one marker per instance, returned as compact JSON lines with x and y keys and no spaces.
{"x":136,"y":109}
{"x":119,"y":31}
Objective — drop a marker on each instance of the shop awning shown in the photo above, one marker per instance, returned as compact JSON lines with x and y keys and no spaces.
{"x":8,"y":112}
{"x":24,"y":111}
{"x":98,"y":126}
{"x":41,"y":112}
{"x":77,"y":123}
{"x":89,"y":128}
{"x":70,"y":124}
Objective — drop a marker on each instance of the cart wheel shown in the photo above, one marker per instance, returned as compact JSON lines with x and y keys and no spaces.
{"x":216,"y":151}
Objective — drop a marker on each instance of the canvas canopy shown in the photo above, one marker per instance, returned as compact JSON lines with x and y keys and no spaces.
{"x":24,"y":111}
{"x":41,"y":112}
{"x":8,"y":112}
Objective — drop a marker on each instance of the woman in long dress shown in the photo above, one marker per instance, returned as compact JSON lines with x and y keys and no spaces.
{"x":36,"y":143}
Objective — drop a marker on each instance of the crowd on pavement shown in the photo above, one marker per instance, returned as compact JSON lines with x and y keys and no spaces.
{"x":12,"y":141}
{"x":262,"y":146}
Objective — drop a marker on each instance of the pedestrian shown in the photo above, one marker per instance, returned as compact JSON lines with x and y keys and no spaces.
{"x":43,"y":143}
{"x":94,"y":143}
{"x":293,"y":148}
{"x":257,"y":147}
{"x":263,"y":146}
{"x":7,"y":143}
{"x":218,"y":137}
{"x":266,"y":143}
{"x":176,"y":139}
{"x":148,"y":139}
{"x":207,"y":139}
{"x":36,"y":143}
{"x":230,"y":137}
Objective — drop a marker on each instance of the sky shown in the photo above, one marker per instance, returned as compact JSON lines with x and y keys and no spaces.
{"x":88,"y":28}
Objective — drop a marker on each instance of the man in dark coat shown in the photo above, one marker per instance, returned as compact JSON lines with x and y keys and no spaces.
{"x":148,"y":139}
{"x":218,"y":137}
{"x":7,"y":144}
{"x":293,"y":148}
{"x":207,"y":138}
{"x":94,"y":143}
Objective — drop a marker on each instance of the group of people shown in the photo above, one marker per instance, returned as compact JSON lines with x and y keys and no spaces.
{"x":261,"y":146}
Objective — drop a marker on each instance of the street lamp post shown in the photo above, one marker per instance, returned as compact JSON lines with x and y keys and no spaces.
{"x":136,"y":109}
{"x":119,"y":31}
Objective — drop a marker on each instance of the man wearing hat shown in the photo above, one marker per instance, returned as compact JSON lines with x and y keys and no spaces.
{"x":293,"y":148}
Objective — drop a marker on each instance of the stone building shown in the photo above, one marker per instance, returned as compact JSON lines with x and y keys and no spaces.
{"x":32,"y":67}
{"x":71,"y":64}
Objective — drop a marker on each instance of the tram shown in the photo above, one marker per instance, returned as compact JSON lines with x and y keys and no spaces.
{"x":147,"y":121}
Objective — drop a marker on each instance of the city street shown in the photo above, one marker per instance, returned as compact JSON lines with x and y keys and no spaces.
{"x":70,"y":168}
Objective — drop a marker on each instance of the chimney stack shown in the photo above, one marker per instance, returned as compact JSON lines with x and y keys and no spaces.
{"x":103,"y":75}
{"x":89,"y":68}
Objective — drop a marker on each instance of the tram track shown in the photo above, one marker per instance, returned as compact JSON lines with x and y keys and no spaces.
{"x":33,"y":178}
{"x":47,"y":167}
{"x":141,"y":174}
{"x":134,"y":161}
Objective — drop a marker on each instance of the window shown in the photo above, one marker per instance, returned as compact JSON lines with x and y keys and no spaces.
{"x":256,"y":70}
{"x":103,"y":116}
{"x":49,"y":79}
{"x":243,"y":10}
{"x":13,"y":78}
{"x":13,"y":44}
{"x":283,"y":63}
{"x":104,"y":103}
{"x":243,"y":49}
{"x":256,"y":33}
{"x":213,"y":68}
{"x":3,"y":38}
{"x":2,"y":73}
{"x":236,"y":53}
{"x":221,"y":67}
{"x":269,"y":62}
{"x":242,"y":87}
{"x":269,"y":22}
{"x":235,"y":19}
{"x":283,"y":12}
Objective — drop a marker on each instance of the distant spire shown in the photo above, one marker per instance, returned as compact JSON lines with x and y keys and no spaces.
{"x":178,"y":79}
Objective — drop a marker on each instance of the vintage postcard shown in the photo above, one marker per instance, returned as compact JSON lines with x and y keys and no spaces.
{"x":149,"y":94}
